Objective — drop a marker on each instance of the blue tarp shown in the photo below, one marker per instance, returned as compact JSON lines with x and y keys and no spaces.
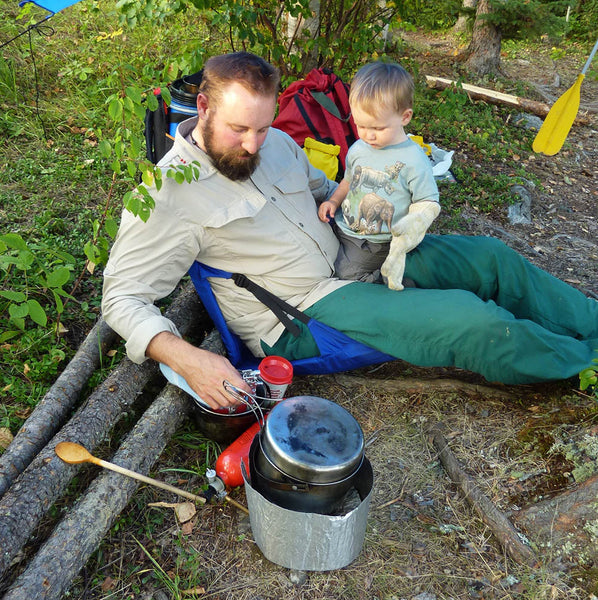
{"x":52,"y":6}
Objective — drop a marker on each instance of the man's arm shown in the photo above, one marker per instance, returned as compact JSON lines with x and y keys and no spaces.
{"x":204,"y":371}
{"x":146,"y":262}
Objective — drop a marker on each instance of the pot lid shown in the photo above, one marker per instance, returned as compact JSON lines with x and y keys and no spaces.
{"x":312,"y":439}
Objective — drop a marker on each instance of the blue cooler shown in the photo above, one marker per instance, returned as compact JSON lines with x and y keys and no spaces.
{"x":183,"y":103}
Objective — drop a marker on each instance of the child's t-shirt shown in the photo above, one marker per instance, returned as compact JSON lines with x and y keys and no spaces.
{"x":383,"y":183}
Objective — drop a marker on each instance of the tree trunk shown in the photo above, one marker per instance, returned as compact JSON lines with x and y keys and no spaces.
{"x":297,"y":27}
{"x":484,"y":49}
{"x":566,"y":523}
{"x":45,"y":479}
{"x":461,"y":24}
{"x":54,"y":408}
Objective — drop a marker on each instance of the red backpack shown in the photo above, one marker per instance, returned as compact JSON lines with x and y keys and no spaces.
{"x":318,"y":107}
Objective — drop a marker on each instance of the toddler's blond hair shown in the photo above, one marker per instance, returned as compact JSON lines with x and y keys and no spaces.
{"x":380,"y":84}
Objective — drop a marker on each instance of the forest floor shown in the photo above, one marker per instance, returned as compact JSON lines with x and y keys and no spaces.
{"x":520,"y":444}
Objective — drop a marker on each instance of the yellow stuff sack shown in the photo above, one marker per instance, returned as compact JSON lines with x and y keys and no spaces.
{"x":323,"y":156}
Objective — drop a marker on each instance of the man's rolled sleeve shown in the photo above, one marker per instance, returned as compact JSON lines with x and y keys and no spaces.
{"x":141,"y":336}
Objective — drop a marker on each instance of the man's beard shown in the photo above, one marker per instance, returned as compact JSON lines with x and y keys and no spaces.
{"x":237,"y":165}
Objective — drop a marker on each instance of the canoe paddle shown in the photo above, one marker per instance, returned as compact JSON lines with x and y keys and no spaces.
{"x":558,"y":121}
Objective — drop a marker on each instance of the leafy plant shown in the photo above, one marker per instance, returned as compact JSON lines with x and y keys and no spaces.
{"x":43,"y":273}
{"x":588,"y":379}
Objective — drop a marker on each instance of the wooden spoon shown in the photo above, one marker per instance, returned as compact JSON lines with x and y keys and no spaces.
{"x":75,"y":454}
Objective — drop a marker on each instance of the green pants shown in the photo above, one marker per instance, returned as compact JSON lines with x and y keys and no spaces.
{"x":478,"y":305}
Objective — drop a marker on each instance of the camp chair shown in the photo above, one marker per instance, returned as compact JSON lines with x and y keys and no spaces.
{"x":338,"y":352}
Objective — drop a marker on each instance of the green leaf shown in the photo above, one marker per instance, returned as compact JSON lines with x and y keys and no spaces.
{"x":147,"y":178}
{"x":144,"y":212}
{"x":25,"y":259}
{"x":151,"y":102}
{"x":18,"y":311}
{"x":91,"y":252}
{"x":132,"y":204}
{"x":134,"y":94}
{"x":105,"y":149}
{"x":135,"y":145}
{"x":111,"y":227}
{"x":115,"y":109}
{"x":58,"y":301}
{"x":19,"y":322}
{"x":166,"y":95}
{"x":14,"y":240}
{"x":37,"y":313}
{"x":13,"y":296}
{"x":58,"y":277}
{"x":8,"y":335}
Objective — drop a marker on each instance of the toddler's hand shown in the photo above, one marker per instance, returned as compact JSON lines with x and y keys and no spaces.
{"x":326,"y":211}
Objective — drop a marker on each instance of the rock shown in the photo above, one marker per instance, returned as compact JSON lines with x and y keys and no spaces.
{"x":297,"y":577}
{"x":425,"y":596}
{"x":520,"y":213}
{"x":528,"y":121}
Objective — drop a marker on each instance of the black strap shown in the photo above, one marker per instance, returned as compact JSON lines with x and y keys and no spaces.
{"x":278,"y":306}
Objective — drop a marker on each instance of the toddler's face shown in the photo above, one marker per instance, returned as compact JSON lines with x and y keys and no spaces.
{"x":384,"y":129}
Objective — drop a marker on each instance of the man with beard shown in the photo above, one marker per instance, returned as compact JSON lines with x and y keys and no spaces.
{"x":253,"y":210}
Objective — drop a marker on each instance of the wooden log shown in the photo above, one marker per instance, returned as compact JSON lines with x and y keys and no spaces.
{"x":493,"y":97}
{"x":500,"y":526}
{"x":565,"y":523}
{"x":51,"y":571}
{"x":56,"y":405}
{"x":409,"y":385}
{"x":45,"y":479}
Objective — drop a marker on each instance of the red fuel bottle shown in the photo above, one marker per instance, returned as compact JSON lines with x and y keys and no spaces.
{"x":228,"y":465}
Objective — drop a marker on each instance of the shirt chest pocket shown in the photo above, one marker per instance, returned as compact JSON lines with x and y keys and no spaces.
{"x":291,"y":182}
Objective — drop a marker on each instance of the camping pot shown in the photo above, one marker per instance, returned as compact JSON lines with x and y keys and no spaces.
{"x":222,"y":427}
{"x":307,"y":455}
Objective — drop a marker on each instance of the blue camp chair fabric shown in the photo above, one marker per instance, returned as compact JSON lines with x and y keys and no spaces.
{"x":338,"y":352}
{"x":52,"y":6}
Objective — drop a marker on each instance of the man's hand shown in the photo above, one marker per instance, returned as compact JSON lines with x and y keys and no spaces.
{"x":406,"y":235}
{"x":204,"y":371}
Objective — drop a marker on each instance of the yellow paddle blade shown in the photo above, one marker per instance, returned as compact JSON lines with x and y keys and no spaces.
{"x":558,"y":121}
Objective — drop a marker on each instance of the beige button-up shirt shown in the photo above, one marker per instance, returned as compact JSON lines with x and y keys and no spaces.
{"x":266,"y":228}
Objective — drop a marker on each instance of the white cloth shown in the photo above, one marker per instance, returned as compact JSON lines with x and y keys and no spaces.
{"x":406,"y":235}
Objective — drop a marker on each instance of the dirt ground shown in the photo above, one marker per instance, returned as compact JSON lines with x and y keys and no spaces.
{"x":563,"y":234}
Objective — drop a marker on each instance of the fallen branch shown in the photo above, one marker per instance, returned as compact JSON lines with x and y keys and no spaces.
{"x":45,"y":479}
{"x":410,"y":385}
{"x":493,"y":97}
{"x":56,"y":405}
{"x":52,"y":570}
{"x":500,"y":526}
{"x":565,"y":519}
